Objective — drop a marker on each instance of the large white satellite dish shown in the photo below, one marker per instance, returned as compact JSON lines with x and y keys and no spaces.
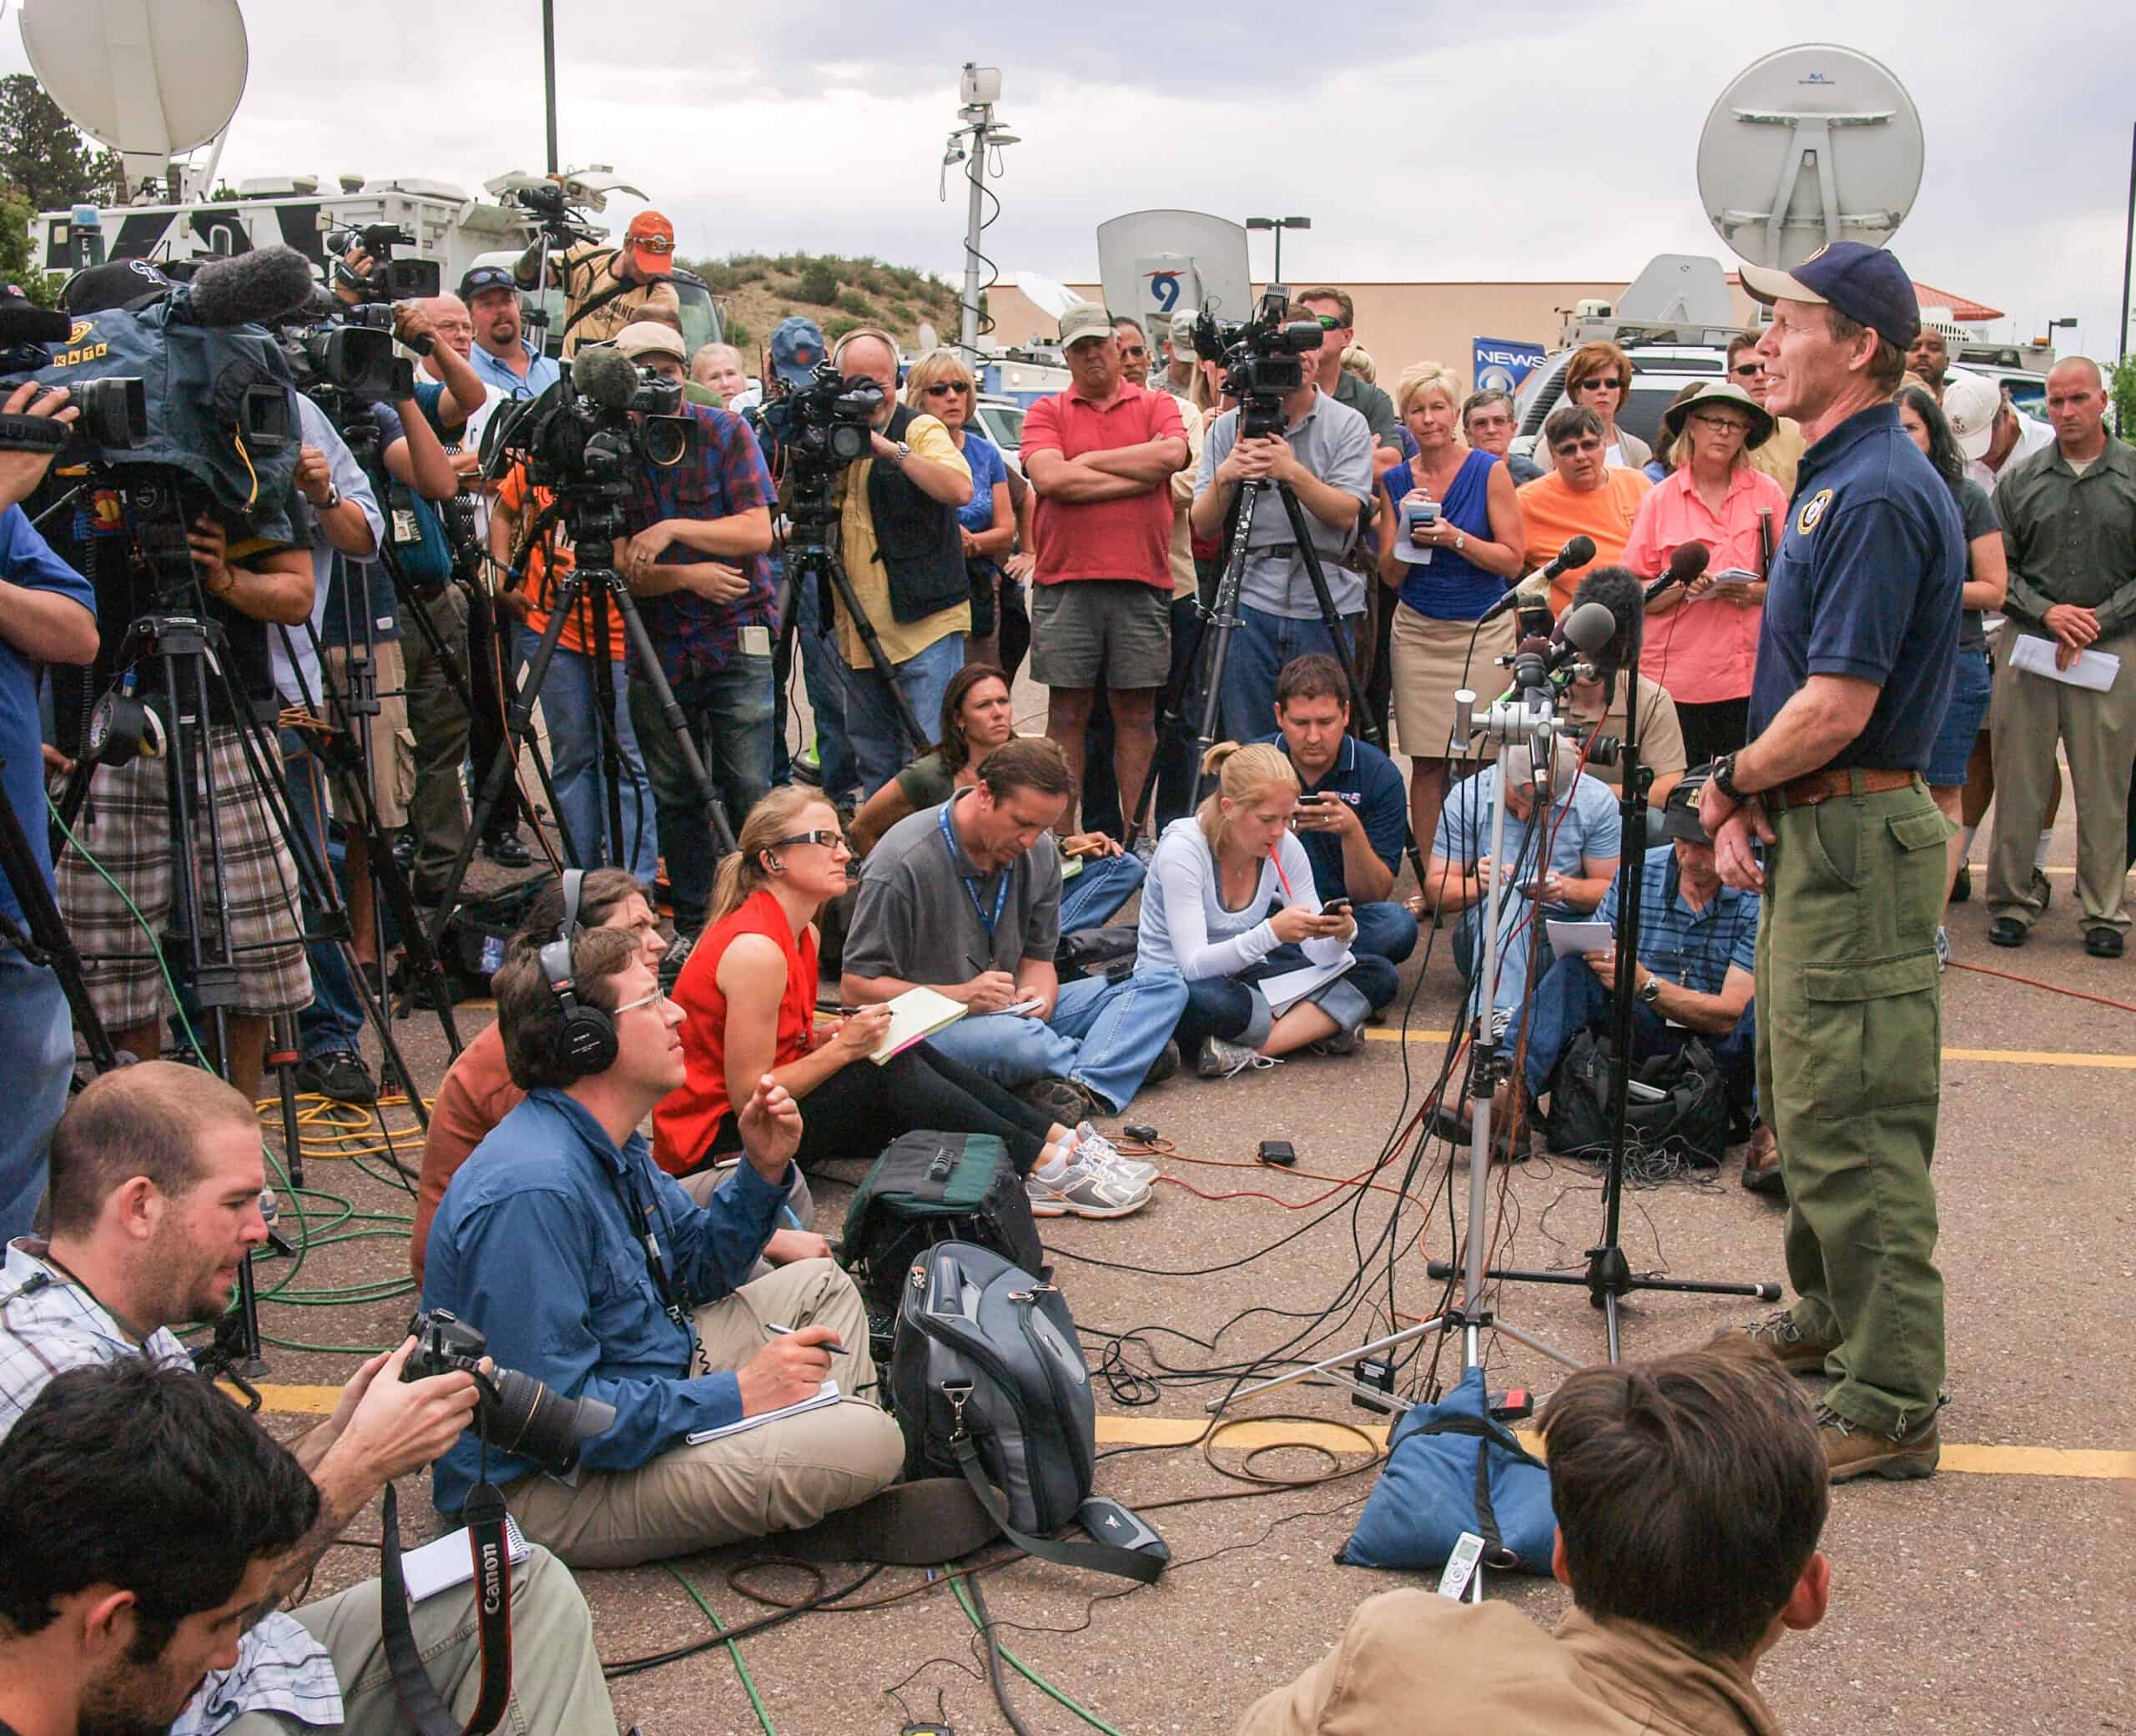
{"x":1812,"y":145}
{"x":151,"y":78}
{"x":1050,"y":298}
{"x":1156,"y":264}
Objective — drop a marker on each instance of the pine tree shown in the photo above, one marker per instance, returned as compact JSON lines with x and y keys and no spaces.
{"x":43,"y":156}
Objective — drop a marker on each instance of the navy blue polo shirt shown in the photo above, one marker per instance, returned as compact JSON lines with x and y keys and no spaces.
{"x":1867,"y":583}
{"x":1367,"y":779}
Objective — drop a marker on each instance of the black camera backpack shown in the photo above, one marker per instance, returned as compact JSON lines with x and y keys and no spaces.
{"x":931,"y":1187}
{"x":1689,"y":1122}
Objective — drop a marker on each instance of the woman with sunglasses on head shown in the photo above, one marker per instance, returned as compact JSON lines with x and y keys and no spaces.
{"x":1598,"y":378}
{"x":749,"y":993}
{"x":941,"y":384}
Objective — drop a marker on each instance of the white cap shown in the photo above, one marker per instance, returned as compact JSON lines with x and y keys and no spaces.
{"x":1970,"y":402}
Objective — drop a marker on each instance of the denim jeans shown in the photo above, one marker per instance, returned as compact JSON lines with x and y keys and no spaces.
{"x":335,"y":1020}
{"x":36,"y":1062}
{"x":1102,"y":1035}
{"x":1094,"y":897}
{"x":575,"y":767}
{"x":823,"y":673}
{"x":1515,"y":931}
{"x":728,"y":713}
{"x":1234,"y":1007}
{"x":1385,"y":929}
{"x":1259,"y":648}
{"x":1571,"y":998}
{"x":872,"y":723}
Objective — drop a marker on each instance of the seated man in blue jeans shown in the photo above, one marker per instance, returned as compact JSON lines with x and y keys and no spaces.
{"x":1353,"y":807}
{"x":966,"y":898}
{"x":1697,"y":951}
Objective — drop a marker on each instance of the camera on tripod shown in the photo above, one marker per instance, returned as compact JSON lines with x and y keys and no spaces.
{"x":388,"y":280}
{"x":830,"y":421}
{"x":1260,"y":357}
{"x":514,"y":1412}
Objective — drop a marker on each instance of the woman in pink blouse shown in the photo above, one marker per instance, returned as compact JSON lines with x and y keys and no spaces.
{"x":1702,"y":640}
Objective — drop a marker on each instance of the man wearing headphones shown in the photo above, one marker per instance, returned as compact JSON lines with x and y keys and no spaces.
{"x":594,"y":1272}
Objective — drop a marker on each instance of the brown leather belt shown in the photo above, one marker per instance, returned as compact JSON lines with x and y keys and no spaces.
{"x":1812,"y":787}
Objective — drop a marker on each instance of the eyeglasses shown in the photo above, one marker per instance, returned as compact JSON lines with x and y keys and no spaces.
{"x":944,"y":387}
{"x":1135,"y":355}
{"x":655,"y":998}
{"x":1599,"y":382}
{"x":828,"y":837}
{"x":1727,"y":425}
{"x":1747,"y":371}
{"x":1330,"y":322}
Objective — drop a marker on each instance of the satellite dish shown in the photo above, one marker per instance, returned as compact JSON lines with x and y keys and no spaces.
{"x":1050,"y":298}
{"x":1154,"y":264}
{"x":1810,"y":145}
{"x":151,"y":78}
{"x":929,"y":339}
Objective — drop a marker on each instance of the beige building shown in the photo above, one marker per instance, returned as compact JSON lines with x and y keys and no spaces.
{"x":1400,"y":323}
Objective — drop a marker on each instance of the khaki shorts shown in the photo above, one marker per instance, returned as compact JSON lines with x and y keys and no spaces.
{"x":1085,"y":628}
{"x":390,"y":741}
{"x":126,"y":828}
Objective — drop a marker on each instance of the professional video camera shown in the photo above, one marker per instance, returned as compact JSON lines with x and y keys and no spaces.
{"x":114,"y":409}
{"x":1260,"y":357}
{"x":388,"y":279}
{"x":582,"y":433}
{"x":830,"y":422}
{"x":514,"y":1412}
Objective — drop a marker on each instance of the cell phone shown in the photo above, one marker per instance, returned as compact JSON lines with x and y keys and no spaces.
{"x":1336,"y":906}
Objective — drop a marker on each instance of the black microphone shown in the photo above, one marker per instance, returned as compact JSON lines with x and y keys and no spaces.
{"x":1583,"y":633}
{"x":1686,"y":564}
{"x":1576,"y":553}
{"x":605,"y":374}
{"x":259,"y":288}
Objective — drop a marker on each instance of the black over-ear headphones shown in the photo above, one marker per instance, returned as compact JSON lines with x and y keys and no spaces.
{"x":585,"y":1042}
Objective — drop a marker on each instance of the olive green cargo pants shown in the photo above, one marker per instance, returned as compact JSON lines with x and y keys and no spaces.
{"x":1850,"y":1036}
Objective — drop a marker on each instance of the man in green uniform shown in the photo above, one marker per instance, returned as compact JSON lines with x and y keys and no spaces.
{"x":1854,"y":664}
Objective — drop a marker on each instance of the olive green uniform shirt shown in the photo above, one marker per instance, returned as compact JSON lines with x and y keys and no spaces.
{"x":2072,"y":539}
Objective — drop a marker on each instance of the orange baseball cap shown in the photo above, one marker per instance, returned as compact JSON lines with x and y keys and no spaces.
{"x":651,"y":237}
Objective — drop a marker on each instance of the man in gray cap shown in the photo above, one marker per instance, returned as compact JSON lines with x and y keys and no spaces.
{"x":1856,"y":659}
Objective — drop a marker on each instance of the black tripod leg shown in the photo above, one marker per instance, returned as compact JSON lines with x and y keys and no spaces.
{"x":671,"y":710}
{"x":877,"y":656}
{"x":44,"y":937}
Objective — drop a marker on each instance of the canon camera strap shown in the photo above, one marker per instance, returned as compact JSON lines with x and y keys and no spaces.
{"x":491,"y":1548}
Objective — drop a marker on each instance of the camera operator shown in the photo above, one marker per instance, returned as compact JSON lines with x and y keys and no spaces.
{"x":48,"y":614}
{"x":156,"y":1178}
{"x":904,"y":553}
{"x":608,"y":288}
{"x":1326,"y":455}
{"x":699,"y":531}
{"x":593,"y":1271}
{"x":508,"y":362}
{"x":1689,"y":1498}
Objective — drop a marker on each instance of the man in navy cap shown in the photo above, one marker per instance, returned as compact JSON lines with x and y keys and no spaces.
{"x":1854,"y":661}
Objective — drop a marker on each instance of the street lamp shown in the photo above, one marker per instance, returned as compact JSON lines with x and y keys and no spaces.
{"x":2053,"y":325}
{"x":1279,"y":225}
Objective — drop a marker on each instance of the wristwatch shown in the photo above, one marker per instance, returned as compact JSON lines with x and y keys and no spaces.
{"x":1647,"y":992}
{"x":905,"y":451}
{"x":1460,"y":540}
{"x":333,"y":498}
{"x":1722,"y":777}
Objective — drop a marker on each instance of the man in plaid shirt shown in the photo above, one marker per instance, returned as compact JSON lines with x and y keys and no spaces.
{"x":695,"y":559}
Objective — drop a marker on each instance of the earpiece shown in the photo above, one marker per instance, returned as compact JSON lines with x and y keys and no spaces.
{"x":585,"y":1042}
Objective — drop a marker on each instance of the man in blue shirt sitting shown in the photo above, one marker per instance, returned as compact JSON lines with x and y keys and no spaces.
{"x":591,"y":1270}
{"x":1353,"y":807}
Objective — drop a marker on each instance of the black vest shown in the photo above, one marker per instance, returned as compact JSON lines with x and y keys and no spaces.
{"x":916,"y":538}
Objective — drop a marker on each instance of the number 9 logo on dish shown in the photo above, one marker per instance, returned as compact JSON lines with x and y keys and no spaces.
{"x":1164,"y":290}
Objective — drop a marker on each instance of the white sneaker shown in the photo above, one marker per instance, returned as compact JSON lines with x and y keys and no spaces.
{"x":1093,"y":1144}
{"x":1942,"y":951}
{"x":1222,"y":1059}
{"x":1087,"y":1189}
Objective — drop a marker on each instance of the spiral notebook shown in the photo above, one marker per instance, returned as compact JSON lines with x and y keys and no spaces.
{"x":915,"y":1016}
{"x":826,"y":1394}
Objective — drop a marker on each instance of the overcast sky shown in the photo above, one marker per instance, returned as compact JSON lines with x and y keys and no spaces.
{"x":1518,"y":139}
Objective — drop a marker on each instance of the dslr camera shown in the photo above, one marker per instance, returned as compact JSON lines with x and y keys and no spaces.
{"x":830,"y":422}
{"x":1260,"y":357}
{"x":514,"y":1412}
{"x":388,"y":280}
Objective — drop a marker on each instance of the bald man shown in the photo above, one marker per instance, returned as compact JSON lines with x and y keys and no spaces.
{"x":2068,"y":518}
{"x":903,"y":552}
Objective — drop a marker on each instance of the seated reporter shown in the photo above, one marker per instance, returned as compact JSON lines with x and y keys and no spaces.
{"x":1690,"y":1494}
{"x":1230,"y":902}
{"x":965,"y":899}
{"x":749,"y":990}
{"x":545,"y":1242}
{"x":156,"y":1175}
{"x":477,"y":1091}
{"x":1597,"y":703}
{"x":1354,"y":812}
{"x":1697,"y":950}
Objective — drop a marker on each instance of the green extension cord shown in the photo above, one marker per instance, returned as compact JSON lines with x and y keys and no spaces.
{"x":733,"y":1651}
{"x":1025,"y":1671}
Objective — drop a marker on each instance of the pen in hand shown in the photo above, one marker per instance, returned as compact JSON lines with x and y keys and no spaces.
{"x":832,"y":1345}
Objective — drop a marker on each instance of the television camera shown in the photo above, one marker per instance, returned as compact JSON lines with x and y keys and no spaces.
{"x":1260,"y":357}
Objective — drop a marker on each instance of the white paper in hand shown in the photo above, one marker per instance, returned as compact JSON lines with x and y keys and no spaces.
{"x":2092,"y":669}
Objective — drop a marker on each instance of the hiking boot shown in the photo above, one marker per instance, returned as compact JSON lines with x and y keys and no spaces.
{"x":1067,"y":1102}
{"x":1221,"y":1058}
{"x":1093,"y":1144}
{"x":2103,"y":942}
{"x":1165,"y":1064}
{"x":1761,"y":1165}
{"x":338,"y":1074}
{"x":504,"y":848}
{"x":1088,"y":1188}
{"x":2006,"y":931}
{"x":1851,"y":1450}
{"x":1776,"y":1335}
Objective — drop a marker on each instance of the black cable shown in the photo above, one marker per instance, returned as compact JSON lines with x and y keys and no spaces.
{"x":823,"y":1601}
{"x":978,"y":1596}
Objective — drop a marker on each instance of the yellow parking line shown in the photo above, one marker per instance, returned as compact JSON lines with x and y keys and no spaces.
{"x":1247,"y":1433}
{"x":2002,"y":1057}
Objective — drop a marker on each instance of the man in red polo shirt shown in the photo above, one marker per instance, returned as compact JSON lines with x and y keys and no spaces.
{"x":1101,"y":457}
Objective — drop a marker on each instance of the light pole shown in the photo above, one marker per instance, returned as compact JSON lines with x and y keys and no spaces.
{"x":977,"y":133}
{"x":1278,"y":224}
{"x":2053,"y":325}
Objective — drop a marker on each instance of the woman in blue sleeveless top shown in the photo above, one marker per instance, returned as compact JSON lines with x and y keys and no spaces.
{"x":1475,"y":549}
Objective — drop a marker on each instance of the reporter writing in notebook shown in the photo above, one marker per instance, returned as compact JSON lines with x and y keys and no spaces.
{"x":749,"y":994}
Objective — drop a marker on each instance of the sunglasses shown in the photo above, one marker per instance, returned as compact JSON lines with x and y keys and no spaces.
{"x":1747,"y":371}
{"x":652,"y":243}
{"x":1600,"y":383}
{"x":1330,"y":322}
{"x":945,"y":388}
{"x":829,"y":837}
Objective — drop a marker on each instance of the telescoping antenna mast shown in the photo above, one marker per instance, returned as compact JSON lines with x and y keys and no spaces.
{"x":976,"y":134}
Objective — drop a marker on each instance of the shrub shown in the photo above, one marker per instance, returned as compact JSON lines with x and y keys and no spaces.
{"x":839,"y":326}
{"x":818,"y":285}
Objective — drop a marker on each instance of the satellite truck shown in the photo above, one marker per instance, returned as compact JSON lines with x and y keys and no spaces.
{"x":159,"y":80}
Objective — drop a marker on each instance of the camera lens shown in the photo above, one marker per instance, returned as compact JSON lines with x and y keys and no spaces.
{"x":531,"y":1420}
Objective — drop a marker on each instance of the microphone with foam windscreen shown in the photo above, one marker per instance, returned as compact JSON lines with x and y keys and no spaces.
{"x":1690,"y":560}
{"x":604,"y":374}
{"x":259,"y":288}
{"x":1578,"y":552}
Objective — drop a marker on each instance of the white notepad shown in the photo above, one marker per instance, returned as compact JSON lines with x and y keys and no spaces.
{"x":1567,"y":937}
{"x":2092,"y":669}
{"x":1284,"y":992}
{"x":826,"y":1394}
{"x":446,"y":1562}
{"x":915,"y":1016}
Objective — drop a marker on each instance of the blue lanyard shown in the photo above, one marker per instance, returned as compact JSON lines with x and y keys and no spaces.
{"x":1000,"y":893}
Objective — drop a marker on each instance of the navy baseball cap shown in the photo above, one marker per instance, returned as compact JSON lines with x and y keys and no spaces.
{"x":1866,"y":283}
{"x":797,"y":346}
{"x":480,"y":278}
